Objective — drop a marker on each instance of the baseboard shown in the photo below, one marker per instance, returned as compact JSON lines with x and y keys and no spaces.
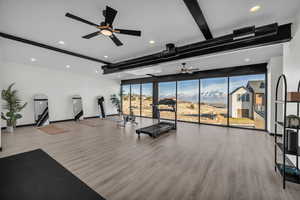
{"x":97,"y":116}
{"x":91,"y":117}
{"x":21,"y":125}
{"x":63,"y":120}
{"x":112,"y":115}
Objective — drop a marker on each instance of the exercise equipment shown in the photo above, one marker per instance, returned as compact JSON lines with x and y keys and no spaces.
{"x":161,"y":127}
{"x":77,"y":107}
{"x":129,"y":118}
{"x":100,"y":105}
{"x":41,"y":110}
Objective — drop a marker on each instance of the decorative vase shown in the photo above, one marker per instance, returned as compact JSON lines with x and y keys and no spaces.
{"x":10,"y":129}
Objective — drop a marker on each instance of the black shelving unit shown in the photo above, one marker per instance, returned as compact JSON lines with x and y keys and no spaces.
{"x":287,"y":169}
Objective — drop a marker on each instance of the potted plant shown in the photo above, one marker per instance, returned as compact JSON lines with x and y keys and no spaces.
{"x":115,"y":100}
{"x":13,"y":105}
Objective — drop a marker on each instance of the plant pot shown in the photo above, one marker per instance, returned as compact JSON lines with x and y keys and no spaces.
{"x":10,"y":129}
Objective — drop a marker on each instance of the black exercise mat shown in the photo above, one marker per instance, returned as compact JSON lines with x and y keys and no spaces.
{"x":35,"y":175}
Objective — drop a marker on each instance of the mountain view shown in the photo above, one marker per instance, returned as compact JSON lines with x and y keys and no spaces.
{"x":213,"y":98}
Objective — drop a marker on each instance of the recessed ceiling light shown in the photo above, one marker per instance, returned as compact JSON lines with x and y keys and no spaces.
{"x":105,"y":56}
{"x":61,"y":42}
{"x":32,"y":59}
{"x":151,"y":41}
{"x":255,"y":8}
{"x":247,"y":59}
{"x":68,"y":66}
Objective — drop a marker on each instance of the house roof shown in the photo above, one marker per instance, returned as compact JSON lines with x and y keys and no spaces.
{"x":240,"y":88}
{"x":256,"y":86}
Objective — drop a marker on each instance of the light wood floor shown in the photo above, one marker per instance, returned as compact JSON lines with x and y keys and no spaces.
{"x":197,"y":162}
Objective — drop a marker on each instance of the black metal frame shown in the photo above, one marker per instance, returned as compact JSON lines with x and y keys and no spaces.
{"x":283,"y":146}
{"x":45,"y":46}
{"x":265,"y":35}
{"x":196,"y":11}
{"x":226,"y":72}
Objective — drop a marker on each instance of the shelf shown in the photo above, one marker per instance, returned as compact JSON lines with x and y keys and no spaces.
{"x":280,"y":145}
{"x":281,"y":101}
{"x":292,"y":174}
{"x":293,"y":128}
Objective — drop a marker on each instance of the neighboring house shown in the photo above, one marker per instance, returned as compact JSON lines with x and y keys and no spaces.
{"x":258,"y":90}
{"x":241,"y":103}
{"x":249,"y":101}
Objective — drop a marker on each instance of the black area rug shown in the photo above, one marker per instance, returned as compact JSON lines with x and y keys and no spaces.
{"x":35,"y":175}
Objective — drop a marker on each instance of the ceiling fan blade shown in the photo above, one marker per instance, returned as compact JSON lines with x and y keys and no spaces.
{"x":128,"y":32}
{"x":110,"y":15}
{"x":116,"y":40}
{"x":91,"y":35}
{"x":80,"y":19}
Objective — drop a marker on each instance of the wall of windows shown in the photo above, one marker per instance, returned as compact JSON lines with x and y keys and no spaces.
{"x":213,"y":106}
{"x":147,"y":99}
{"x":247,"y":101}
{"x":238,"y":101}
{"x":167,"y":90}
{"x":125,"y":99}
{"x":188,"y":100}
{"x":135,"y":99}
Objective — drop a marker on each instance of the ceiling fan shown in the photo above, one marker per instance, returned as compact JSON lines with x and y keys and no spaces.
{"x":106,"y":27}
{"x":186,"y":70}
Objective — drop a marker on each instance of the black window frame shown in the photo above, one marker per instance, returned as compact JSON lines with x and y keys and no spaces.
{"x":216,"y":73}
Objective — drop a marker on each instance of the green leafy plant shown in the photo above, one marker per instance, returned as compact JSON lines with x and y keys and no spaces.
{"x":13,"y":105}
{"x":115,"y":100}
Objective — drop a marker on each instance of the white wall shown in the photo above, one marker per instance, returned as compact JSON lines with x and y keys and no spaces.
{"x":59,"y":85}
{"x":291,"y":63}
{"x":275,"y":69}
{"x":291,"y":57}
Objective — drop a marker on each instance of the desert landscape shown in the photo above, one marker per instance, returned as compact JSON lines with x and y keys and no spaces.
{"x":188,"y":111}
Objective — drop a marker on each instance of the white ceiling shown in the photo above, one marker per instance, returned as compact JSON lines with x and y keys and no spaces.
{"x":161,"y":20}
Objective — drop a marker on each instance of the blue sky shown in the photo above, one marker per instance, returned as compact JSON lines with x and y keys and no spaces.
{"x":212,"y":89}
{"x":147,"y":89}
{"x":167,"y":89}
{"x":237,"y":81}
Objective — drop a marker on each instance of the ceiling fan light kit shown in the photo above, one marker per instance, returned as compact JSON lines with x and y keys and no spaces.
{"x":105,"y":27}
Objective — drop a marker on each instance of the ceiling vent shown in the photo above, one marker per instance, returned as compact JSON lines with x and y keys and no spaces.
{"x":170,"y":50}
{"x":244,"y":33}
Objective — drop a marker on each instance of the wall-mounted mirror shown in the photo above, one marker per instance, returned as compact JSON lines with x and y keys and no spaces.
{"x":41,"y":110}
{"x":100,"y":105}
{"x":77,"y":107}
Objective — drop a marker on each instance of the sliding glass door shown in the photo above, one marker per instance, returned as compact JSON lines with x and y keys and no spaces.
{"x":213,"y":101}
{"x":167,"y":90}
{"x":125,"y":98}
{"x":188,"y":100}
{"x":135,"y":99}
{"x":238,"y":101}
{"x":247,"y":101}
{"x":147,"y":99}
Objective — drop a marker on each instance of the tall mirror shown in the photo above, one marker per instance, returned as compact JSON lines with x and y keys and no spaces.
{"x":77,"y":107}
{"x":100,"y":105}
{"x":41,"y":111}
